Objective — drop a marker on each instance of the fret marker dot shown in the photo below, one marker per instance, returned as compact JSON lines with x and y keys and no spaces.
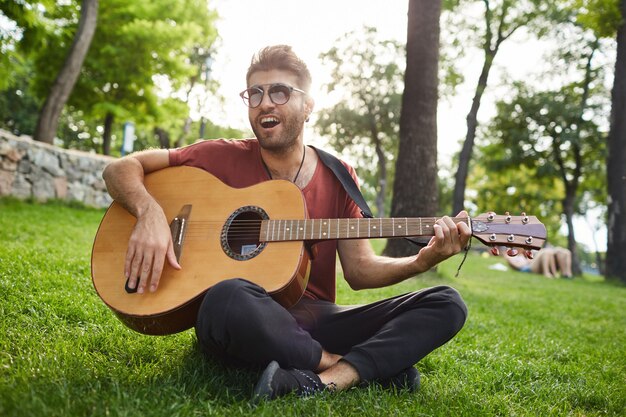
{"x":374,"y":227}
{"x":324,"y":233}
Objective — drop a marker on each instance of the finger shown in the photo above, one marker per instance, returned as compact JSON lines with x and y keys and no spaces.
{"x":453,"y":228}
{"x":130,"y":254}
{"x":446,"y":223}
{"x":157,"y":269}
{"x":146,"y":268}
{"x":135,"y":270}
{"x":465,"y":232}
{"x":171,"y":257}
{"x":439,"y":234}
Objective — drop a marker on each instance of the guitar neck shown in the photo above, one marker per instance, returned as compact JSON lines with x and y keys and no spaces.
{"x":354,"y":228}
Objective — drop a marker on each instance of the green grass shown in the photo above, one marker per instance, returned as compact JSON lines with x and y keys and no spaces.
{"x":531,"y":346}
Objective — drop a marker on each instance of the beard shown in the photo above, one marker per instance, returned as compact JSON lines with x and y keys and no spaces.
{"x":282,"y":137}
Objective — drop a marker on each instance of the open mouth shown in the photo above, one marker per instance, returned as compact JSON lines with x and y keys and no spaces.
{"x":269,"y":122}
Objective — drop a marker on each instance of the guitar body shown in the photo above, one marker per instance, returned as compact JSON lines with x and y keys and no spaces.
{"x":208,"y":254}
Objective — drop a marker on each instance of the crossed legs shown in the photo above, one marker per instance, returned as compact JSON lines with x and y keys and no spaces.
{"x":239,"y":322}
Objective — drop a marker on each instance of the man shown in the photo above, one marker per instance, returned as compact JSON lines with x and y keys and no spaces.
{"x":316,"y":344}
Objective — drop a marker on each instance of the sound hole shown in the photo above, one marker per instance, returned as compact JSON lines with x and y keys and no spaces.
{"x":240,"y":234}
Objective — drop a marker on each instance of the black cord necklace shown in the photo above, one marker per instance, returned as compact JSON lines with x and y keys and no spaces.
{"x":297,"y":173}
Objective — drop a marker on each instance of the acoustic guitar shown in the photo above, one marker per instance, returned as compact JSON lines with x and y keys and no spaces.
{"x":259,"y":233}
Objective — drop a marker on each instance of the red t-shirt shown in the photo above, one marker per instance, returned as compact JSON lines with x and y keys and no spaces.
{"x":238,"y":164}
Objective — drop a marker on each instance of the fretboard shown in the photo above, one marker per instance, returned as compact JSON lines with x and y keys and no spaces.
{"x":323,"y":229}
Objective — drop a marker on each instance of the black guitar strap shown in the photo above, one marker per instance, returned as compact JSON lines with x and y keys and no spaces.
{"x":346,"y":180}
{"x":351,"y":188}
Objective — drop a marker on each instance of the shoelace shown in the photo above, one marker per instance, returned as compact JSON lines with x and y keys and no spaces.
{"x":308,"y":390}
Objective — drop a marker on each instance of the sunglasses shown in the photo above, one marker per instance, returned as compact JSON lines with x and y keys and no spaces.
{"x":279,"y":94}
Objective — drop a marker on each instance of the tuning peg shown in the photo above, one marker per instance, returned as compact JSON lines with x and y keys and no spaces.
{"x":529,"y":254}
{"x":512,"y":252}
{"x":495,"y":251}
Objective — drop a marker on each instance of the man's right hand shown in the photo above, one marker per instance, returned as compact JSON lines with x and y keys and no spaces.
{"x":151,"y":240}
{"x":149,"y":246}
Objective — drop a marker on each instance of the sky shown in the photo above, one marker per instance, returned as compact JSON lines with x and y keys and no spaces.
{"x":246,"y":26}
{"x":312,"y":27}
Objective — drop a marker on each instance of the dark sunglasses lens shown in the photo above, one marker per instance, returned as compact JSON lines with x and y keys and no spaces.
{"x":279,"y":93}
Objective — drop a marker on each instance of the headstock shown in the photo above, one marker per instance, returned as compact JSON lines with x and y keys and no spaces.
{"x":512,"y":231}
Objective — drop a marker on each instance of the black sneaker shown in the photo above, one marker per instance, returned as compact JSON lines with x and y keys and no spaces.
{"x":406,"y":380}
{"x":276,"y":382}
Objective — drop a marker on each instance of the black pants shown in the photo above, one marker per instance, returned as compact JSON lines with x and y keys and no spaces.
{"x":240,"y":323}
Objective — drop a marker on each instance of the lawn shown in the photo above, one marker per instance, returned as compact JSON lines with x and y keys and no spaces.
{"x":531,"y":346}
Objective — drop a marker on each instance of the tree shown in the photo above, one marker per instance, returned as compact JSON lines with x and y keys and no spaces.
{"x":616,"y":162}
{"x":369,"y":74}
{"x":510,"y":187}
{"x":201,"y":59}
{"x":24,"y":26}
{"x":415,"y":190}
{"x":137,"y":45}
{"x":64,"y":83}
{"x":501,"y":21}
{"x":553,"y":136}
{"x":18,"y":108}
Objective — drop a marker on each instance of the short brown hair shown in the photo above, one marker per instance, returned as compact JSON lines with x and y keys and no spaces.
{"x":280,"y":57}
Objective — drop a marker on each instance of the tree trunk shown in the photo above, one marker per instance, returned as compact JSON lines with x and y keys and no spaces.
{"x":164,"y":137}
{"x":64,"y":83}
{"x":382,"y":181}
{"x":106,"y":135}
{"x":183,"y":136}
{"x":616,"y":164}
{"x":415,"y":190}
{"x":460,"y":181}
{"x":568,"y":210}
{"x":382,"y":167}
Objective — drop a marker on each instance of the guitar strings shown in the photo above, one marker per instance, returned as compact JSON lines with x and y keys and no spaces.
{"x":251,"y":228}
{"x":255,"y":225}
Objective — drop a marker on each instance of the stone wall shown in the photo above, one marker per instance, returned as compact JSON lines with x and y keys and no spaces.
{"x":41,"y":171}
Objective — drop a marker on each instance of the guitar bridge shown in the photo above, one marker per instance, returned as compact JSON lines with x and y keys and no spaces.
{"x":178,"y":227}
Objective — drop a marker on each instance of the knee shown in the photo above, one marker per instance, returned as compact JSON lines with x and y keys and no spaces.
{"x":226,"y":305}
{"x":230,"y":287}
{"x":225,"y":299}
{"x":452,"y":304}
{"x":232,"y":294}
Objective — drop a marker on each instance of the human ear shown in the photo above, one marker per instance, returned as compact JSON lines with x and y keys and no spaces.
{"x":309,"y":103}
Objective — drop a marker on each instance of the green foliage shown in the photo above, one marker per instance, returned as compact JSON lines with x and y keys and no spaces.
{"x":516,"y":189}
{"x":134,"y":42}
{"x":18,"y":107}
{"x":23,"y":27}
{"x":368,"y":73}
{"x":530,"y":347}
{"x":530,"y":134}
{"x":137,"y":46}
{"x":602,"y":16}
{"x":485,"y":24}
